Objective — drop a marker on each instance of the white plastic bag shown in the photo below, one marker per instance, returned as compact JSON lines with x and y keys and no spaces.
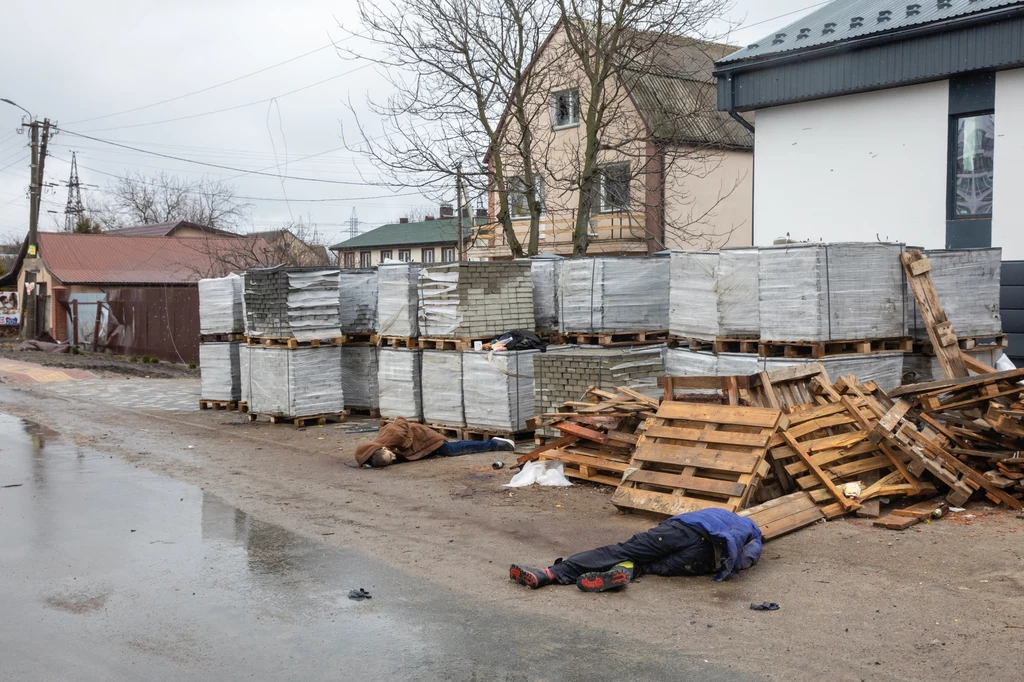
{"x":543,"y":473}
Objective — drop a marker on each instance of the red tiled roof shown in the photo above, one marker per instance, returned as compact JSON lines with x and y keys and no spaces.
{"x":115,"y":259}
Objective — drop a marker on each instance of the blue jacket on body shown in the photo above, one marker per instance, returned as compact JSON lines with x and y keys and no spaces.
{"x":740,"y":537}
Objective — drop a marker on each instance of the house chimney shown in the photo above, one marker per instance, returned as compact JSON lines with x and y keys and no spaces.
{"x":447,"y":211}
{"x":481,"y":213}
{"x":428,"y":218}
{"x":403,"y":221}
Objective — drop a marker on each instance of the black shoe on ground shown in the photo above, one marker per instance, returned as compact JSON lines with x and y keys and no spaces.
{"x":531,"y":577}
{"x":602,"y":581}
{"x":505,"y":445}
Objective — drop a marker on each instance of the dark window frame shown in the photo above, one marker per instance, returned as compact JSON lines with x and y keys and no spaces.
{"x":445,"y":251}
{"x":573,"y":95}
{"x":603,"y":205}
{"x":349,"y":258}
{"x":385,"y":254}
{"x":407,"y":253}
{"x":365,"y":259}
{"x":971,"y":94}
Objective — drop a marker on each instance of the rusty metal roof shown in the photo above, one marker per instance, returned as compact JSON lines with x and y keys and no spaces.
{"x":118,"y":259}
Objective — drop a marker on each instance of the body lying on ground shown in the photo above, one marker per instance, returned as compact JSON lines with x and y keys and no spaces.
{"x":402,"y":440}
{"x":696,"y":543}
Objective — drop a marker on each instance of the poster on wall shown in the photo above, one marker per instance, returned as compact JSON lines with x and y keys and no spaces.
{"x":10,"y":311}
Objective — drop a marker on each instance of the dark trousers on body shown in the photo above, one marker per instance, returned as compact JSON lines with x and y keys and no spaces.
{"x":455,"y":448}
{"x":673,"y":548}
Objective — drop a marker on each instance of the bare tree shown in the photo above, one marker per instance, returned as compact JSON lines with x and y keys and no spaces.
{"x":462,"y":75}
{"x":138,"y":199}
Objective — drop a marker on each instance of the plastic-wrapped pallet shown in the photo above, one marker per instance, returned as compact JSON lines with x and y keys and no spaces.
{"x":357,"y":293}
{"x":613,"y":295}
{"x":295,"y":382}
{"x":398,"y":383}
{"x":474,"y":300}
{"x":292,"y":302}
{"x":822,"y":292}
{"x":220,"y":305}
{"x":919,"y":368}
{"x":682,"y":362}
{"x":359,"y":376}
{"x":713,"y":294}
{"x":544,"y":270}
{"x":245,"y":391}
{"x":967,"y":283}
{"x":885,"y":369}
{"x":441,"y":386}
{"x":498,"y":389}
{"x":220,"y":374}
{"x":398,"y":299}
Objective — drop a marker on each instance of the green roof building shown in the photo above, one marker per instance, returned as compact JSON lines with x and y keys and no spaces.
{"x":432,"y":240}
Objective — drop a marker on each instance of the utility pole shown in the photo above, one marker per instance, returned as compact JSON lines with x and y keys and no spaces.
{"x":74,"y":211}
{"x":458,"y":207}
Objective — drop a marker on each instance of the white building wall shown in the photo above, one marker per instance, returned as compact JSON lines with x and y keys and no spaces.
{"x":1007,"y":194}
{"x":855,"y":167}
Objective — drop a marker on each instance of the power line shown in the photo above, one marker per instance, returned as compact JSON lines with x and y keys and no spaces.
{"x":796,"y":11}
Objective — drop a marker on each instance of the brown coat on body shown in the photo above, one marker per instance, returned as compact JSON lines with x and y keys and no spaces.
{"x":406,"y":439}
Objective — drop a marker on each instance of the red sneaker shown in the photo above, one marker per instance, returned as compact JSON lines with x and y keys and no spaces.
{"x":531,"y":577}
{"x":602,"y":581}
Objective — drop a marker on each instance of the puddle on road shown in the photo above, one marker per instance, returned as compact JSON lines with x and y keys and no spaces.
{"x":111,"y":570}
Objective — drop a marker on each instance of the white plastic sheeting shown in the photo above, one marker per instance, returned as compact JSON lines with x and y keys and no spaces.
{"x":357,"y":294}
{"x":967,"y":283}
{"x":820,"y":292}
{"x":545,"y":473}
{"x":295,"y":382}
{"x":398,"y":383}
{"x":613,"y":295}
{"x":220,"y":306}
{"x":885,"y":369}
{"x":477,"y":299}
{"x":219,"y":371}
{"x":398,"y":299}
{"x":544,"y":271}
{"x":714,"y":294}
{"x":441,"y":384}
{"x":359,"y":368}
{"x":682,"y":362}
{"x":919,"y":369}
{"x":245,"y":377}
{"x":439,"y":300}
{"x":498,"y":389}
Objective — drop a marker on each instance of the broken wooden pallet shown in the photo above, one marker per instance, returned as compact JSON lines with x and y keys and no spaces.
{"x":784,"y":514}
{"x":940,"y":331}
{"x":693,"y":456}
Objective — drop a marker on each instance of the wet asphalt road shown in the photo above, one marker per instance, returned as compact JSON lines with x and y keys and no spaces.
{"x":111,"y":572}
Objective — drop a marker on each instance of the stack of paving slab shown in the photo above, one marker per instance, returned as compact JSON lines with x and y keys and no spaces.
{"x":714,"y":294}
{"x":295,"y":382}
{"x":398,"y":383}
{"x":359,"y":369}
{"x":220,"y":313}
{"x":357,"y":301}
{"x":967,"y":283}
{"x":498,"y":390}
{"x":441,"y":385}
{"x":613,"y":295}
{"x":564,"y":373}
{"x":475,"y":300}
{"x":298,"y":303}
{"x":398,"y":299}
{"x":545,"y":270}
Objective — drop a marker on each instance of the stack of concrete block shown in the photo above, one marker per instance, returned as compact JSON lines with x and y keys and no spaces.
{"x":220,"y":305}
{"x":220,"y":375}
{"x":398,"y":299}
{"x":967,"y":283}
{"x":398,"y":383}
{"x":357,"y":293}
{"x":441,"y":386}
{"x":359,"y":367}
{"x":295,"y":382}
{"x":475,"y":300}
{"x":714,"y":294}
{"x":564,"y":373}
{"x":545,"y":270}
{"x":823,"y":292}
{"x":613,"y":295}
{"x":499,"y":390}
{"x":300,"y":303}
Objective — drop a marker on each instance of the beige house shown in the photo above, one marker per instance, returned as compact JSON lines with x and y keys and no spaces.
{"x":674,"y":171}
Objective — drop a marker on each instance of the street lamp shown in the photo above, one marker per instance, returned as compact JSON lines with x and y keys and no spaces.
{"x":15,"y":104}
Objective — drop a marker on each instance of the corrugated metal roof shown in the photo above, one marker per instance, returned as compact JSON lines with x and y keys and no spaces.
{"x":844,"y":20}
{"x":118,"y":259}
{"x":440,"y":231}
{"x":163,"y":229}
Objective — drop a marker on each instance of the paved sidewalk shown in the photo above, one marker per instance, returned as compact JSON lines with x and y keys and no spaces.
{"x":14,"y":372}
{"x":175,"y":395}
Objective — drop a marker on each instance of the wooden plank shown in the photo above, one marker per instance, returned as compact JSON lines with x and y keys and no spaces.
{"x":536,"y":452}
{"x":977,"y":366}
{"x":750,"y":440}
{"x":940,"y":331}
{"x":661,"y":503}
{"x":788,"y":524}
{"x":622,"y":437}
{"x":581,"y":432}
{"x":586,"y":460}
{"x":687,"y":483}
{"x":763,"y":417}
{"x":818,"y":424}
{"x":896,"y":522}
{"x":923,"y":510}
{"x":779,"y":508}
{"x":860,"y":466}
{"x":719,"y":460}
{"x":944,"y":386}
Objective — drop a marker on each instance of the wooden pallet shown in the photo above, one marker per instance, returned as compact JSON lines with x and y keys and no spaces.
{"x":725,"y":390}
{"x":371,"y":412}
{"x":694,"y":456}
{"x":220,"y":338}
{"x":612,"y":339}
{"x":449,"y":432}
{"x":971,"y":343}
{"x":290,"y":342}
{"x":364,"y":339}
{"x":219,"y":404}
{"x":299,"y":422}
{"x":917,"y":269}
{"x":821,"y":349}
{"x":476,"y":433}
{"x":466,"y":343}
{"x":399,"y":341}
{"x":589,"y":464}
{"x":243,"y":406}
{"x":718,"y":345}
{"x":784,"y":514}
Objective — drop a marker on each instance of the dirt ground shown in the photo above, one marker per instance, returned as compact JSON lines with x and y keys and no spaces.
{"x":942,"y":601}
{"x":99,"y":363}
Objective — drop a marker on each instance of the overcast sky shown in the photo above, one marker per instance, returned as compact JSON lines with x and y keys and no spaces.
{"x":82,"y":63}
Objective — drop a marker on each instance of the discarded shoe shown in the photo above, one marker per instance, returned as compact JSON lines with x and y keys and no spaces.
{"x":602,"y":581}
{"x":765,"y":606}
{"x":531,"y":577}
{"x":359,"y":594}
{"x":506,"y":444}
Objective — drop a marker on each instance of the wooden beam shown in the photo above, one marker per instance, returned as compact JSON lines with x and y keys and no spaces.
{"x":940,"y":331}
